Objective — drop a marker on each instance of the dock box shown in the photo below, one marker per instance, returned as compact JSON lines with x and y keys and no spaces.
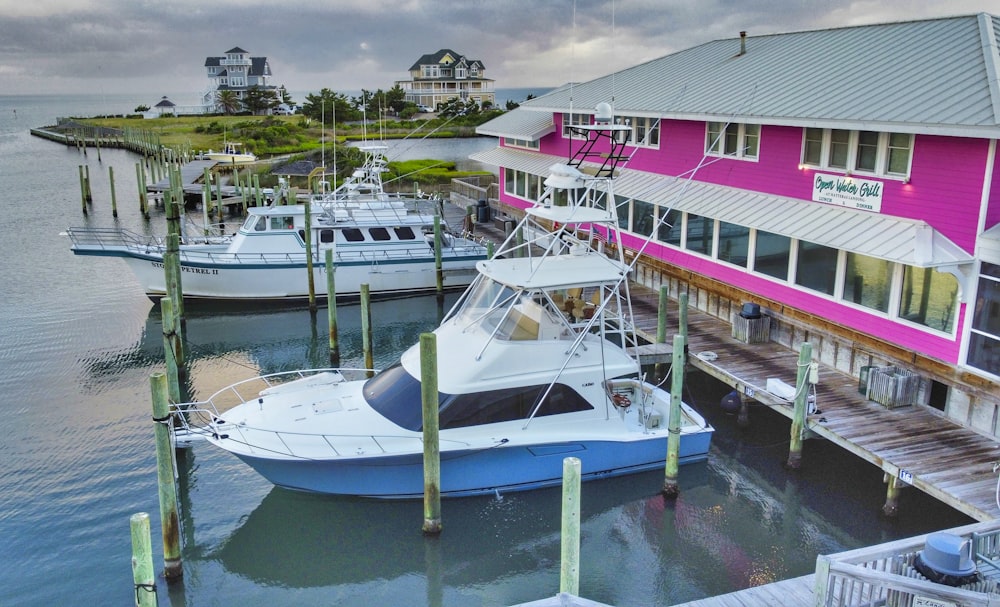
{"x":892,"y":386}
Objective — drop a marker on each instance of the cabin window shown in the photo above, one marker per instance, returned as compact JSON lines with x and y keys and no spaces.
{"x":379,"y":234}
{"x":282,"y":223}
{"x":404,"y":233}
{"x":326,"y":236}
{"x":396,"y":395}
{"x":353,"y":235}
{"x":257,"y":224}
{"x":509,"y":404}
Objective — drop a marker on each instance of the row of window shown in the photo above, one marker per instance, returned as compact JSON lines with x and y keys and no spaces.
{"x":869,"y":152}
{"x":644,"y":133}
{"x":377,"y":234}
{"x":918,"y":295}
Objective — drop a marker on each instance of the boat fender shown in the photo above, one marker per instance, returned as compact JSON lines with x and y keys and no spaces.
{"x":620,"y":400}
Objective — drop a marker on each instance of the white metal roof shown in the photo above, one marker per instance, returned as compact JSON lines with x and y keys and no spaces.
{"x":897,"y":239}
{"x":530,"y":126}
{"x":935,"y":76}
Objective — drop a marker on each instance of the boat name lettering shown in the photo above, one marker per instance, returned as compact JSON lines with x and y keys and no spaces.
{"x":159,"y":264}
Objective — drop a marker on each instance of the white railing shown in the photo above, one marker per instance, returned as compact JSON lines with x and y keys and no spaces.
{"x":884,"y":574}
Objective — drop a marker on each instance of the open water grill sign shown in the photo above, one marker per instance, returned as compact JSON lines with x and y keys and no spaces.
{"x":848,"y":191}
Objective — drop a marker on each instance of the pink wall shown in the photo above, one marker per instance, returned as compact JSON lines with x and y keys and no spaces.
{"x":945,"y":190}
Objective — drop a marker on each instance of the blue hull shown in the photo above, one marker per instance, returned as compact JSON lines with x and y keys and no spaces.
{"x":475,"y":472}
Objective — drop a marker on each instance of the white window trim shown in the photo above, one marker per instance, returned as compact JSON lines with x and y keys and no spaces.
{"x":881,"y":156}
{"x":740,"y":144}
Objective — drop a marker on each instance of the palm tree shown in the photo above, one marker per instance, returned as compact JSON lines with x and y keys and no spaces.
{"x":228,"y":101}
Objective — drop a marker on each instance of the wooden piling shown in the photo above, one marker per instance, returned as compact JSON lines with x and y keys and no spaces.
{"x":169,"y":521}
{"x":366,"y":328}
{"x":569,"y":561}
{"x":307,"y":207}
{"x":114,"y":200}
{"x":682,"y":314}
{"x":86,"y":180}
{"x":661,"y":327}
{"x":894,"y":486}
{"x":140,"y":180}
{"x":671,"y":488}
{"x":83,"y":190}
{"x":142,"y":561}
{"x":331,"y":307}
{"x":799,"y":414}
{"x":439,"y":271}
{"x":171,"y":345}
{"x":432,"y":447}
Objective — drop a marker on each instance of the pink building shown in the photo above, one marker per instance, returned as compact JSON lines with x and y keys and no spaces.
{"x":844,"y":179}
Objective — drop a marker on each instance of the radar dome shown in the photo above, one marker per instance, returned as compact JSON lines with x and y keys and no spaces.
{"x":604,"y":113}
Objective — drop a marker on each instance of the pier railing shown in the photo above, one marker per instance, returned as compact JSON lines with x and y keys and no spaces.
{"x":885,"y":574}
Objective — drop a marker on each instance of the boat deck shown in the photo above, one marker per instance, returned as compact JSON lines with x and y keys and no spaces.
{"x":916,"y":444}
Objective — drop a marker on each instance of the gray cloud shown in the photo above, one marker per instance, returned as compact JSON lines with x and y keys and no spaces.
{"x":128,"y":46}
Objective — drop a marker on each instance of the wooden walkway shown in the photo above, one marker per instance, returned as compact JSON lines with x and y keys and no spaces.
{"x":917,"y":445}
{"x":796,"y":592}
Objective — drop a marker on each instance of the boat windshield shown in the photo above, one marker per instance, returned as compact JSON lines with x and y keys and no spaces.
{"x":395,"y":394}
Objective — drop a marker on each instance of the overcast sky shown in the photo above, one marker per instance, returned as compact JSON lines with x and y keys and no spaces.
{"x":160,"y":46}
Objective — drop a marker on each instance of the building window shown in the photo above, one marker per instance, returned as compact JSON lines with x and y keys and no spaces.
{"x":622,"y":208}
{"x":734,"y":243}
{"x":862,"y":151}
{"x":928,"y":298}
{"x":816,"y":267}
{"x":732,"y":139}
{"x":771,"y":254}
{"x":868,"y":281}
{"x":645,"y":131}
{"x":984,"y":343}
{"x":520,"y":143}
{"x":669,"y":227}
{"x":571,"y":120}
{"x":642,"y":217}
{"x":699,"y":233}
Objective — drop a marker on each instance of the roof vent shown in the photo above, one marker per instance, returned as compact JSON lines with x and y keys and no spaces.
{"x":946,"y":559}
{"x":743,"y":43}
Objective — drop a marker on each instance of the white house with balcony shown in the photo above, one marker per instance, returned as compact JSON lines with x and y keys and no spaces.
{"x":444,"y":75}
{"x":235,"y":71}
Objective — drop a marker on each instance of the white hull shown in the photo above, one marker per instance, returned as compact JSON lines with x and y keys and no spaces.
{"x":235,"y":281}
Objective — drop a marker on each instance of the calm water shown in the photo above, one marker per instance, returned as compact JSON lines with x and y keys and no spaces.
{"x":79,"y":341}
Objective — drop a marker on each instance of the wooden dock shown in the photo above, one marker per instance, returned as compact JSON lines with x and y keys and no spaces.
{"x":913,"y":445}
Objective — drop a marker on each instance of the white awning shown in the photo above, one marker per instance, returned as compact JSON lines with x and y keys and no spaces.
{"x":911,"y":242}
{"x":519,"y":124}
{"x":989,"y":245}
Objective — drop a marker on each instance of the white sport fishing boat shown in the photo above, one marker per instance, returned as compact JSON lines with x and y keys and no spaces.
{"x":377,"y":238}
{"x":534,"y":365}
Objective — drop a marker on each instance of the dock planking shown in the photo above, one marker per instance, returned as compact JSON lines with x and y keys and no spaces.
{"x":918,"y":444}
